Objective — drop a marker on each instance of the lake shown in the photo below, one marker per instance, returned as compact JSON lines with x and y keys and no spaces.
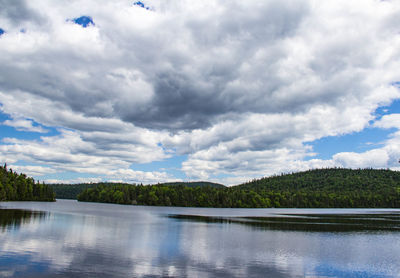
{"x":73,"y":239}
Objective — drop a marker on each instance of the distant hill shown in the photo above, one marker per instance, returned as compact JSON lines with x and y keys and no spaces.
{"x":71,"y":191}
{"x":193,"y":184}
{"x":320,"y":188}
{"x":334,"y":187}
{"x":329,"y":180}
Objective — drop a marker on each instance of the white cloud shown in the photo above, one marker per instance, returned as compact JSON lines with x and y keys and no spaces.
{"x":129,"y":175}
{"x":389,"y":121}
{"x":377,"y":158}
{"x":32,"y":170}
{"x":24,"y":125}
{"x":72,"y":181}
{"x":67,"y":152}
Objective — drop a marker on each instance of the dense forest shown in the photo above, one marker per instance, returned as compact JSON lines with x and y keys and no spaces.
{"x":335,"y":187}
{"x":164,"y":195}
{"x":19,"y":187}
{"x":71,"y":191}
{"x":193,"y":184}
{"x":321,"y":188}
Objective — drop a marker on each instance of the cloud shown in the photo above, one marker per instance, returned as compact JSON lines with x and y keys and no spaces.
{"x":18,"y":12}
{"x":371,"y":159}
{"x":389,"y":121}
{"x":24,"y":125}
{"x":32,"y":170}
{"x":128,"y":175}
{"x":204,"y":73}
{"x":242,"y":88}
{"x":72,"y":181}
{"x":68,"y":152}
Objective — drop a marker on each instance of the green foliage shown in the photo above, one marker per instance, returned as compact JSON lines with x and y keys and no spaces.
{"x":323,"y":188}
{"x":179,"y":195}
{"x":194,"y":184}
{"x":329,"y":188}
{"x":71,"y":191}
{"x":19,"y":187}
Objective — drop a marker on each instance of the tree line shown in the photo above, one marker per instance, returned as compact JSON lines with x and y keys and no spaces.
{"x":19,"y":187}
{"x":321,"y":188}
{"x":71,"y":191}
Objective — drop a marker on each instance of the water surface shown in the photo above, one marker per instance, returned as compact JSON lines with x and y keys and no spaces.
{"x":72,"y":239}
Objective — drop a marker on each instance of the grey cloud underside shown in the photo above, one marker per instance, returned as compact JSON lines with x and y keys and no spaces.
{"x":197,"y":99}
{"x":218,"y":73}
{"x":18,"y":11}
{"x":201,"y":84}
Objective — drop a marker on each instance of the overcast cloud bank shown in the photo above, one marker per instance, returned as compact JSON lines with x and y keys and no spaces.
{"x":241,"y":88}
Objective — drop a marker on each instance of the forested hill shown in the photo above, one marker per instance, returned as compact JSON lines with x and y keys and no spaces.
{"x":329,"y":180}
{"x":71,"y":191}
{"x":324,"y":188}
{"x":193,"y":184}
{"x":19,"y":187}
{"x":334,"y":187}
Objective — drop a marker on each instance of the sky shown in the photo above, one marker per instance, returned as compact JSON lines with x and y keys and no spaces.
{"x":224,"y":91}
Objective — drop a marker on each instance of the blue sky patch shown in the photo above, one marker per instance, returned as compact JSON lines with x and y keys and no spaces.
{"x":393,"y":108}
{"x":365,"y":140}
{"x":170,"y":165}
{"x":396,"y":84}
{"x":11,"y":132}
{"x":141,"y":4}
{"x":84,"y":21}
{"x":1,"y":31}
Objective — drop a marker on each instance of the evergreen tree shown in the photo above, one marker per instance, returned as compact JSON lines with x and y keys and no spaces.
{"x":19,"y":187}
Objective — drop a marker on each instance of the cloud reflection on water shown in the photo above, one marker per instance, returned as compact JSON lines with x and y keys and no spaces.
{"x":126,"y":241}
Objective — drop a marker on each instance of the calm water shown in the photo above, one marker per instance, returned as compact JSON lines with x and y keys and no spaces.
{"x":71,"y":239}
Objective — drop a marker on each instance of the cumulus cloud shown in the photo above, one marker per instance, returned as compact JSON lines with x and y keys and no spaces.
{"x":120,"y":175}
{"x":32,"y":170}
{"x":389,"y":121}
{"x":24,"y":125}
{"x":242,"y":88}
{"x":68,"y":152}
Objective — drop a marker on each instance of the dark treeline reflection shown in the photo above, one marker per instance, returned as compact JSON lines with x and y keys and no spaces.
{"x":309,"y":222}
{"x":13,"y":218}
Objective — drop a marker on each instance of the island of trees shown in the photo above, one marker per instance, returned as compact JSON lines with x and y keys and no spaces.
{"x":321,"y":188}
{"x":19,"y":187}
